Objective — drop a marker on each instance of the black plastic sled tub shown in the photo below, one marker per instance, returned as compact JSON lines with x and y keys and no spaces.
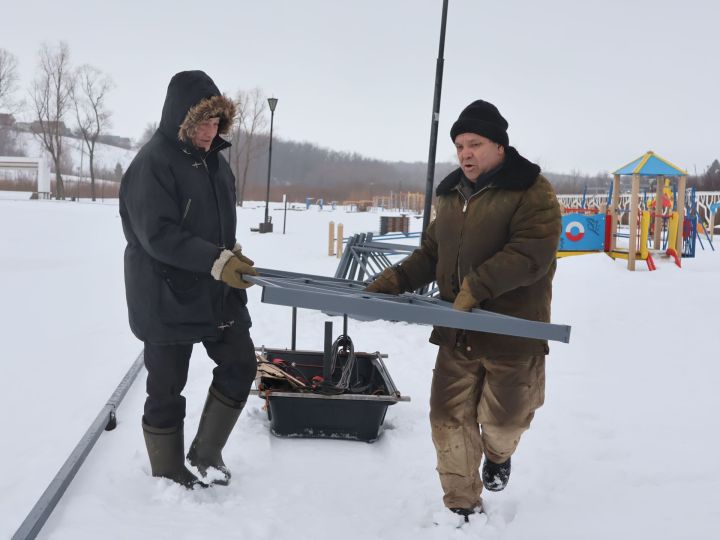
{"x":302,"y":406}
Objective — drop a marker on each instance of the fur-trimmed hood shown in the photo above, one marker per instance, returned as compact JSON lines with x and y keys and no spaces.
{"x":192,"y":97}
{"x":516,"y":173}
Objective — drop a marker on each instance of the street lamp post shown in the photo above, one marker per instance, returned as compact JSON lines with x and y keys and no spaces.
{"x":266,"y":226}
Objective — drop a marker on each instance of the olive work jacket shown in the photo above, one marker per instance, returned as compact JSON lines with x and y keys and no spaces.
{"x":503,"y":240}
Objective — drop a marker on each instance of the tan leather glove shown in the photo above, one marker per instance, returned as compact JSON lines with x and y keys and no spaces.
{"x":234,"y":269}
{"x":387,"y":282}
{"x":465,"y":301}
{"x":238,"y":253}
{"x":229,"y":269}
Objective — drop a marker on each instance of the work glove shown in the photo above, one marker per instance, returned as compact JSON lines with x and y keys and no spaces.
{"x":238,"y":253}
{"x":229,"y":269}
{"x":465,"y":301}
{"x":388,"y":282}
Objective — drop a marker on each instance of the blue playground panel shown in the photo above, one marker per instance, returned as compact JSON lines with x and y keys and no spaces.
{"x":581,"y":232}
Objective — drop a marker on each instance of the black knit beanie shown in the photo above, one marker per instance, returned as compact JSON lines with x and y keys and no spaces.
{"x":484,"y":119}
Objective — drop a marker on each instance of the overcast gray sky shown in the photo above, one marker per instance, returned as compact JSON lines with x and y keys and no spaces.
{"x":586,"y":85}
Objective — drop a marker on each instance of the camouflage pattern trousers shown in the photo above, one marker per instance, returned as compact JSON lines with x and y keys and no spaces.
{"x":479,"y":405}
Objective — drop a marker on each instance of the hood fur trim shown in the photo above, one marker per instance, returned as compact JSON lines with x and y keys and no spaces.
{"x":220,"y":106}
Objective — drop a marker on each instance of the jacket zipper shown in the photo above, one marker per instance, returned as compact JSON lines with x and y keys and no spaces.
{"x":462,"y":230}
{"x":185,"y":213}
{"x":221,"y":246}
{"x":217,"y":202}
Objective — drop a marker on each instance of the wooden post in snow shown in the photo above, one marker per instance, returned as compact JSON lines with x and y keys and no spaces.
{"x":614,"y":213}
{"x":339,"y":242}
{"x":681,"y":214}
{"x":633,"y":221}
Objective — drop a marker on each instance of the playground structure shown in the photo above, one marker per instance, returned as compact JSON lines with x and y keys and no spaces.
{"x":358,"y":206}
{"x":583,"y":232}
{"x":714,"y":207}
{"x":694,"y":228}
{"x":309,"y":201}
{"x":669,"y":223}
{"x":649,"y":165}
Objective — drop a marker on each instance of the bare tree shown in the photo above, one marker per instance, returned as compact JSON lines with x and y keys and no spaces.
{"x":50,"y":97}
{"x":9,"y":144}
{"x":88,"y":96}
{"x":251,"y":106}
{"x":8,"y":77}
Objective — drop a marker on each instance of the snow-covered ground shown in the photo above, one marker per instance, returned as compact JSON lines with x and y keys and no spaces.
{"x":624,"y":448}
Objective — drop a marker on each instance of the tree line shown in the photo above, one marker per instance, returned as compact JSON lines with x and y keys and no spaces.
{"x":302,"y":169}
{"x":577,"y":182}
{"x":57,"y":95}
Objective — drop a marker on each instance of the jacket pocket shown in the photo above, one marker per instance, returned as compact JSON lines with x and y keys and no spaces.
{"x":442,"y":335}
{"x":194,"y":304}
{"x":177,"y":279}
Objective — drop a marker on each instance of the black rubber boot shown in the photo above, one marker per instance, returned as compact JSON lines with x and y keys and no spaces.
{"x":464,"y":512}
{"x":495,"y":476}
{"x":165,"y":447}
{"x":216,"y":422}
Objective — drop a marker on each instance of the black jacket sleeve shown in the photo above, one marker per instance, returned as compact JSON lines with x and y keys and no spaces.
{"x":156,"y":218}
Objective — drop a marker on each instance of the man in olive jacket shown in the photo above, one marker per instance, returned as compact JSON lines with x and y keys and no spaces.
{"x":183,"y":276}
{"x":492,"y":245}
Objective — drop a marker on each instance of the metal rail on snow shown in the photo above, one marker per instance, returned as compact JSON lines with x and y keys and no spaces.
{"x":338,"y":296}
{"x":105,"y":420}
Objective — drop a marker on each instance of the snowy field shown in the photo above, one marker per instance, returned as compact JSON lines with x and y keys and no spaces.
{"x":624,"y":448}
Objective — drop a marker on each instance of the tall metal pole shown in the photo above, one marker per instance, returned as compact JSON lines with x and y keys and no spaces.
{"x":284,"y":211}
{"x":435,"y":120}
{"x":267,"y":193}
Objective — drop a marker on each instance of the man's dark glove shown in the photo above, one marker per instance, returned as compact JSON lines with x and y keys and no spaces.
{"x":388,"y":282}
{"x":229,"y":269}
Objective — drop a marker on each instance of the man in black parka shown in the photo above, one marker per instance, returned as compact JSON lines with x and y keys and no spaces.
{"x":183,"y":277}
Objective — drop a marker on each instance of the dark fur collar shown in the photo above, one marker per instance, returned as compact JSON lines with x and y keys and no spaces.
{"x":516,"y":173}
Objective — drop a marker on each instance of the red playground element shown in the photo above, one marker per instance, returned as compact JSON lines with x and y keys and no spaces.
{"x":672,"y":253}
{"x":650,"y":263}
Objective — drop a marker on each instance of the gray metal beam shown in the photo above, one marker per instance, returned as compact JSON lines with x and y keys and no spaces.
{"x":310,"y":278}
{"x":386,"y":247}
{"x":338,"y":298}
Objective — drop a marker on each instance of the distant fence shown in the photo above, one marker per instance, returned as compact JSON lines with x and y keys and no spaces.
{"x":413,"y":202}
{"x":598,"y":201}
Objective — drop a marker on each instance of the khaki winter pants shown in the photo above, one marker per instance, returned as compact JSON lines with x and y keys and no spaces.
{"x":499,"y":395}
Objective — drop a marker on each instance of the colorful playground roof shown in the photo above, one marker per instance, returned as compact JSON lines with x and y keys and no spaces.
{"x":650,"y":164}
